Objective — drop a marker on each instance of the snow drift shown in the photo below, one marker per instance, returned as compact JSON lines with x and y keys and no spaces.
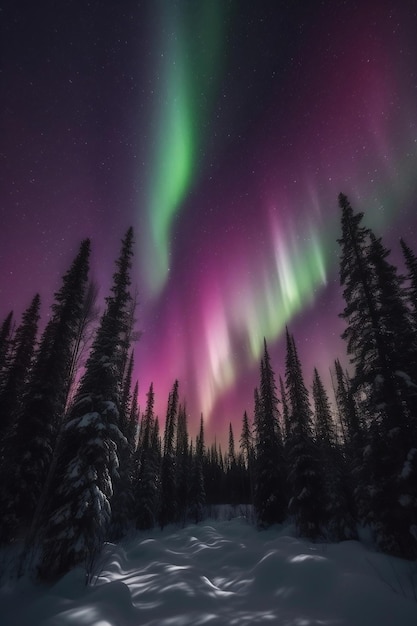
{"x":223,"y":573}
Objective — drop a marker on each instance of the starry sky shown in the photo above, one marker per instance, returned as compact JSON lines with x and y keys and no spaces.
{"x":223,"y":131}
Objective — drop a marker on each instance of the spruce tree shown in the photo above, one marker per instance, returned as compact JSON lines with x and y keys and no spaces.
{"x":80,"y":503}
{"x":197,"y":490}
{"x":380,"y":344}
{"x":83,"y":338}
{"x":246,"y":446}
{"x":324,"y":424}
{"x":396,"y":400}
{"x":397,"y":335}
{"x":285,"y":411}
{"x":126,"y":395}
{"x":132,"y":427}
{"x":6,"y":332}
{"x":21,"y":361}
{"x":307,"y":503}
{"x":232,"y":475}
{"x":411,"y":265}
{"x":246,"y":439}
{"x":231,"y":454}
{"x":270,"y":495}
{"x":182,"y":465}
{"x":350,"y":419}
{"x":123,"y":497}
{"x":213,"y":476}
{"x":30,"y":452}
{"x":338,"y":516}
{"x":147,"y":462}
{"x":168,"y":505}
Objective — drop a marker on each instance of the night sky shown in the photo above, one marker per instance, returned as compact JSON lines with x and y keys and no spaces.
{"x":223,"y":131}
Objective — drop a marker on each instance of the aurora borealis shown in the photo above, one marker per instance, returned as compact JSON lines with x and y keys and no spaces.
{"x":223,"y":131}
{"x":188,"y":37}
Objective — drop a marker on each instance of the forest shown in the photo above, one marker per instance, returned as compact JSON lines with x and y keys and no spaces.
{"x":80,"y":466}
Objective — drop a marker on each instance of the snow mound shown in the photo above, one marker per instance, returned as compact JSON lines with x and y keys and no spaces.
{"x":225,"y":573}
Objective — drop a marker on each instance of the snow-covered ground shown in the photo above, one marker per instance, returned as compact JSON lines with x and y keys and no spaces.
{"x":224,"y":573}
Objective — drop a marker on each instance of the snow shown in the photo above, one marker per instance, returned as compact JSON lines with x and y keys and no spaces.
{"x":223,"y":573}
{"x":405,"y":500}
{"x":406,"y":471}
{"x":86,"y":421}
{"x":407,"y":380}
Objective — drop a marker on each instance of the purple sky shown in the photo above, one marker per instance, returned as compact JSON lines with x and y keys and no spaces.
{"x":223,"y":132}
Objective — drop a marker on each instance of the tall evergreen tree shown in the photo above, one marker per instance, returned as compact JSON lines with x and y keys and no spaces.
{"x":83,"y":337}
{"x":246,"y":446}
{"x":285,"y":410}
{"x":6,"y":331}
{"x":397,"y":334}
{"x":338,"y":515}
{"x":44,"y":403}
{"x":307,"y":503}
{"x":147,"y":467}
{"x":411,"y":265}
{"x":352,"y":426}
{"x":232,"y":476}
{"x":80,"y":503}
{"x":380,"y":344}
{"x":198,"y":492}
{"x":270,"y":488}
{"x":126,"y":395}
{"x":213,"y":476}
{"x":123,"y":496}
{"x":246,"y":439}
{"x":232,"y":454}
{"x":168,"y":506}
{"x":133,"y":420}
{"x":182,"y":465}
{"x":396,"y":401}
{"x":21,"y":361}
{"x":325,"y":428}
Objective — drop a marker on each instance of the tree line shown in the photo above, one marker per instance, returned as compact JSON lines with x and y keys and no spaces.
{"x":80,"y":466}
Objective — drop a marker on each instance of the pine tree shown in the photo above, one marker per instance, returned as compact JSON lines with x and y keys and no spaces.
{"x":270,"y":488}
{"x":232,"y":475}
{"x":198,"y":493}
{"x":133,"y":420}
{"x":83,"y":338}
{"x":246,"y":439}
{"x":285,"y":411}
{"x":126,"y":395}
{"x":338,"y":514}
{"x":30,"y":451}
{"x":145,"y":501}
{"x":411,"y":265}
{"x":169,"y":507}
{"x":6,"y":332}
{"x":232,"y":454}
{"x":147,"y":462}
{"x":380,"y":344}
{"x":307,"y":504}
{"x":325,"y":428}
{"x":395,"y":397}
{"x":246,"y":446}
{"x":356,"y":276}
{"x":21,"y":361}
{"x":213,"y":476}
{"x":123,"y":497}
{"x":374,"y":311}
{"x":182,"y":465}
{"x":80,"y":503}
{"x":350,"y":419}
{"x":397,"y":335}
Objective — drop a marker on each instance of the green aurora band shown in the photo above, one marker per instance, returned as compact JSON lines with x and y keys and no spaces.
{"x":190,"y":39}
